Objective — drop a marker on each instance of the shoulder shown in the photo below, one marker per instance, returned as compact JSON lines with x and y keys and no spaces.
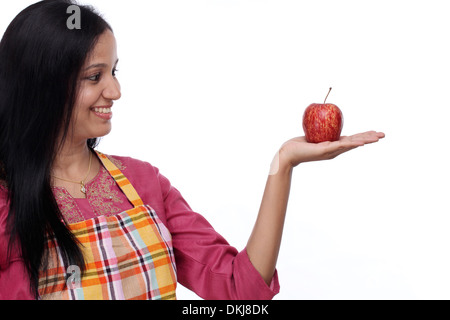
{"x":133,"y":166}
{"x":142,"y":174}
{"x":150,"y":184}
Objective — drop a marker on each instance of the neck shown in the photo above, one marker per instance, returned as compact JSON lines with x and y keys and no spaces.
{"x":72,"y":160}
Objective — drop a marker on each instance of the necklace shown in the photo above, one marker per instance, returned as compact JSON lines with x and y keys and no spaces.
{"x":82,"y":182}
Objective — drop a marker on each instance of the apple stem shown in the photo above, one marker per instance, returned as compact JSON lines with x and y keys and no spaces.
{"x":327,"y":96}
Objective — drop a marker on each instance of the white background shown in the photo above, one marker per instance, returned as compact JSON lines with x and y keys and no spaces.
{"x":211,"y":89}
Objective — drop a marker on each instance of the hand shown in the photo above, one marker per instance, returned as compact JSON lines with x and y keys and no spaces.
{"x":298,"y":150}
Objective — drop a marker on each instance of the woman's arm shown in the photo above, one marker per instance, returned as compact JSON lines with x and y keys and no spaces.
{"x":264,"y":243}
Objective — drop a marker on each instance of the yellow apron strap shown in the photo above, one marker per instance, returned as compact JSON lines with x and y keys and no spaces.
{"x":121,"y":180}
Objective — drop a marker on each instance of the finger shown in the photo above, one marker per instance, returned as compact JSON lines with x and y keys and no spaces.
{"x":367,"y":137}
{"x":374,"y":135}
{"x":350,"y":142}
{"x":341,"y":146}
{"x":380,"y":135}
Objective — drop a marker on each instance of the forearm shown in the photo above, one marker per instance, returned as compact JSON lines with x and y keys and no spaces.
{"x":264,"y":243}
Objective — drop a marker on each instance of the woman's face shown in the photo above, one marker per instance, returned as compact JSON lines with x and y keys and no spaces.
{"x":99,"y":88}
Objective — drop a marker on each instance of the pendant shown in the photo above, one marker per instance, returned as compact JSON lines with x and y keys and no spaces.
{"x":83,"y":188}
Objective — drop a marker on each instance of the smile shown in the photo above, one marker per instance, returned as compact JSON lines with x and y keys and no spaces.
{"x":104,"y":113}
{"x":102,"y":110}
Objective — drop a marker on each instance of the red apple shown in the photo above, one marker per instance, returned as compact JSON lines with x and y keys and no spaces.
{"x":322,"y":122}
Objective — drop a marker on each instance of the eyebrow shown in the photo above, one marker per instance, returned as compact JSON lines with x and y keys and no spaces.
{"x":100,"y":65}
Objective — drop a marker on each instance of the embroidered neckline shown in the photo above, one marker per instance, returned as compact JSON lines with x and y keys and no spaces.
{"x":103,"y":195}
{"x":87,"y":184}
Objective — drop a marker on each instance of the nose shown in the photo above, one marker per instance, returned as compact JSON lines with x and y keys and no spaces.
{"x":112,"y":89}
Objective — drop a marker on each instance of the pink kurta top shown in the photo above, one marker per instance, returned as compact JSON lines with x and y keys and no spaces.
{"x":206,"y":263}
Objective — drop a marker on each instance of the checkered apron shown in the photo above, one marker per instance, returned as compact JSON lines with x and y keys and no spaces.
{"x":128,"y":256}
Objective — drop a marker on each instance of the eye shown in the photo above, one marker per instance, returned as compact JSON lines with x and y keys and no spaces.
{"x":114,"y":72}
{"x":95,"y":77}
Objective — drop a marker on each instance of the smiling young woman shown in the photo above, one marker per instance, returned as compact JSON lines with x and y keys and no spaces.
{"x":118,"y":220}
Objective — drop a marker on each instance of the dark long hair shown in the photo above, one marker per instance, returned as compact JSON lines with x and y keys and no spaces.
{"x":40,"y":63}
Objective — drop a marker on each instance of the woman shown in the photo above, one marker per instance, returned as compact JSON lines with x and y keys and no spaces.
{"x":117,"y":221}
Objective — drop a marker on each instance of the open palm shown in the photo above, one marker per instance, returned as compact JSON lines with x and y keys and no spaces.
{"x":298,"y":150}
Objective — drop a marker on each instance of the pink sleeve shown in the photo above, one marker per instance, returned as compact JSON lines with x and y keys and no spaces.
{"x":206,"y":263}
{"x":14,"y":281}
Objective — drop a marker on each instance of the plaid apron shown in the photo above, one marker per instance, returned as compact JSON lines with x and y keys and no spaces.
{"x":128,"y":256}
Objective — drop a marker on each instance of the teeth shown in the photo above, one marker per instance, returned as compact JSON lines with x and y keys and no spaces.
{"x":102,"y":110}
